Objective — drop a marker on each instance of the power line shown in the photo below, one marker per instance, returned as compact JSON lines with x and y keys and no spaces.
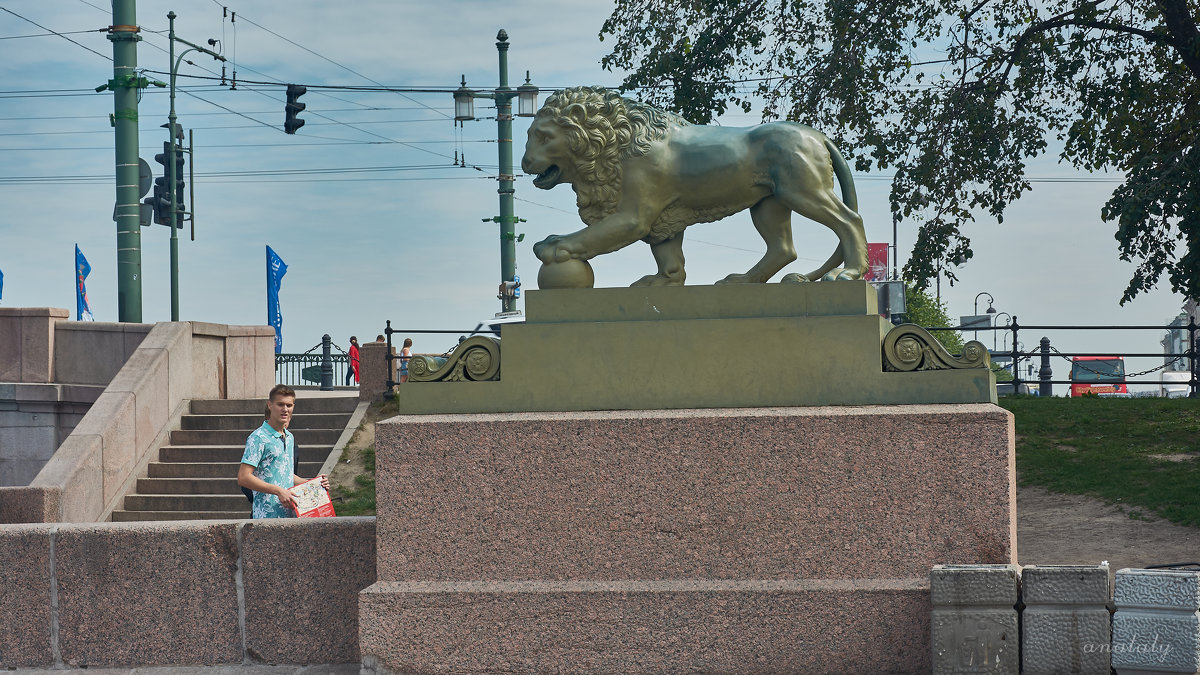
{"x":61,"y":35}
{"x":347,"y":68}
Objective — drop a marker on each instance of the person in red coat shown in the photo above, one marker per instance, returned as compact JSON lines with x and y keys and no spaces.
{"x":353,"y":369}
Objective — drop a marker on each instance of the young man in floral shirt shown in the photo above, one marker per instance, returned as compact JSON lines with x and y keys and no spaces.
{"x":269,"y":463}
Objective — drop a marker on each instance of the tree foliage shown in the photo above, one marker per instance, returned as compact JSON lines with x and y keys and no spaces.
{"x":927,"y":311}
{"x":955,"y":98}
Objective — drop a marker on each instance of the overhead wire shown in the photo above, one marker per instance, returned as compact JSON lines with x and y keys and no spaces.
{"x":61,"y":35}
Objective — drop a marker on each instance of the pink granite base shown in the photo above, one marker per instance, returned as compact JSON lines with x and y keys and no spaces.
{"x":849,"y":495}
{"x":631,"y":627}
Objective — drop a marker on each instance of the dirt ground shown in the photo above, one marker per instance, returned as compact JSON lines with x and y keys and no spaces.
{"x":1054,"y":529}
{"x":351,"y":462}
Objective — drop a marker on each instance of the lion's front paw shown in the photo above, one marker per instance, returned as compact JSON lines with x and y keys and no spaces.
{"x":553,"y":249}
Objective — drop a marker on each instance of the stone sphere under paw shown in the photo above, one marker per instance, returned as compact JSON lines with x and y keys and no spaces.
{"x":572,"y":273}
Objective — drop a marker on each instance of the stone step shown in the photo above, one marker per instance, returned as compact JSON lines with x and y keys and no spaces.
{"x":122,"y":516}
{"x":247,"y":423}
{"x":188,"y":486}
{"x":238,"y":437}
{"x":257,"y":406}
{"x":214,"y":469}
{"x":233,"y":453}
{"x":205,"y":502}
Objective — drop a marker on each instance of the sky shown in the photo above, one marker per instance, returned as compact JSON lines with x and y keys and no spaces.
{"x":366,"y":206}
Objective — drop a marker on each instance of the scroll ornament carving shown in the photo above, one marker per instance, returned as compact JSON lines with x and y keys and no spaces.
{"x":909,"y":347}
{"x":475,"y":359}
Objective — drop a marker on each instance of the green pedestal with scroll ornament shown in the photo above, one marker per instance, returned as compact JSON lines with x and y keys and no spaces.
{"x":729,"y":346}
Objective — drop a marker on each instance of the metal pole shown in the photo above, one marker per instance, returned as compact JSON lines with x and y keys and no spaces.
{"x":1016,"y":372}
{"x":508,"y":237}
{"x":326,"y":364}
{"x":124,"y":37}
{"x":172,"y":178}
{"x":1193,"y":353}
{"x":1045,"y":374}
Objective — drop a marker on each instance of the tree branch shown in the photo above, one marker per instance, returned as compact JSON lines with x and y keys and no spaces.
{"x":1182,"y":27}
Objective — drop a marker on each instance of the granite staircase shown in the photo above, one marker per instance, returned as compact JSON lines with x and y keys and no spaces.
{"x":195,"y":476}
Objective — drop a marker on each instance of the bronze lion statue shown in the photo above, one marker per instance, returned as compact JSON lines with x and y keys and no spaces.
{"x":643,"y":173}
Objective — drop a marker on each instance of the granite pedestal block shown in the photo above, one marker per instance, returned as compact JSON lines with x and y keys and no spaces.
{"x":745,"y":540}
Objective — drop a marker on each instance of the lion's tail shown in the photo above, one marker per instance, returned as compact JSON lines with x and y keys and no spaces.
{"x":849,"y":197}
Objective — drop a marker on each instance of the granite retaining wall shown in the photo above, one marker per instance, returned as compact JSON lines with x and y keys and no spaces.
{"x":183,"y":593}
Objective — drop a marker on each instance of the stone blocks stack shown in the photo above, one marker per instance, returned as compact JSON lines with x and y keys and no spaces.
{"x":974,"y":624}
{"x":1156,"y":628}
{"x":1065,"y":624}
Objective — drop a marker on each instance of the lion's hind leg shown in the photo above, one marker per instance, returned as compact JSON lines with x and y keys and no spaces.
{"x":669,"y":256}
{"x":825,"y":207}
{"x":773,"y":220}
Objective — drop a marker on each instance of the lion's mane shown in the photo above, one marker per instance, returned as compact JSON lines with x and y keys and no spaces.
{"x":602,"y":128}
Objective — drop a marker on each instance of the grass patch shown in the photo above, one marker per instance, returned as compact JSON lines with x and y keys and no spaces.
{"x":1120,"y":450}
{"x":360,"y":500}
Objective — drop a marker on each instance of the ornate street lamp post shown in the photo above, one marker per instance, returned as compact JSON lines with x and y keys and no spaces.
{"x":464,"y":109}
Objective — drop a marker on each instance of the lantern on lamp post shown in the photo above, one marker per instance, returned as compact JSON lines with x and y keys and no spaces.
{"x":464,"y":109}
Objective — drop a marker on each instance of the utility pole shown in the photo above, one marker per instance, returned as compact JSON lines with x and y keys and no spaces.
{"x":125,"y":84}
{"x":176,"y":134}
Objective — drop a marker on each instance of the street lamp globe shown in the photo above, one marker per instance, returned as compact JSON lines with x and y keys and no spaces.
{"x":527,"y":98}
{"x":464,"y":102}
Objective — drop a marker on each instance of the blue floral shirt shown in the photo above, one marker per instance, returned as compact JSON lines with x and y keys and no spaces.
{"x":274,"y":462}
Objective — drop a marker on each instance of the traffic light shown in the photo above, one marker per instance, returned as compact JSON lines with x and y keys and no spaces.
{"x":291,"y":123}
{"x":161,"y":201}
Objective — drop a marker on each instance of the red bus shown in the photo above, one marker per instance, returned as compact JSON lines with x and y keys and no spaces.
{"x":1102,"y":375}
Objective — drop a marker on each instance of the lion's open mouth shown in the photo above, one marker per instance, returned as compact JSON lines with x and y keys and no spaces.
{"x":548,"y":178}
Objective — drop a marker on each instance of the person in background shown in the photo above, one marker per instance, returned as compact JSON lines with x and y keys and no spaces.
{"x":269,"y":462}
{"x":379,"y":338}
{"x":404,"y":354}
{"x":353,"y":369}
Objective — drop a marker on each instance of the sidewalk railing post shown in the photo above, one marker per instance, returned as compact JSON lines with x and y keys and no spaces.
{"x":1016,"y":371}
{"x":1045,"y":373}
{"x":326,"y":364}
{"x":1192,"y":352}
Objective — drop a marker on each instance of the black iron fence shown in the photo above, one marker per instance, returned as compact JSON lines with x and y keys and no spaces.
{"x":317,"y":366}
{"x":1046,"y":354}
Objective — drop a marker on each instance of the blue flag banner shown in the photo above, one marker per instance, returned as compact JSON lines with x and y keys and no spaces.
{"x":83,"y":311}
{"x":1,"y":284}
{"x":275,"y":271}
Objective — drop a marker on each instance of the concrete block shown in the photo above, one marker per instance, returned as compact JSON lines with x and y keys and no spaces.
{"x":240,"y":366}
{"x":374,"y":370}
{"x":145,"y":376}
{"x":1157,"y":623}
{"x":664,"y":626}
{"x":25,"y":593}
{"x":29,"y":504}
{"x":338,"y":555}
{"x":1065,"y":626}
{"x":30,"y":442}
{"x":75,"y":469}
{"x":112,"y":419}
{"x":974,"y":623}
{"x":208,"y":367}
{"x":148,"y":594}
{"x":89,"y":353}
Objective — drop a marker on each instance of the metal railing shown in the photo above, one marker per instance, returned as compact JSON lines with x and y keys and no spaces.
{"x":1045,"y":351}
{"x":322,"y":368}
